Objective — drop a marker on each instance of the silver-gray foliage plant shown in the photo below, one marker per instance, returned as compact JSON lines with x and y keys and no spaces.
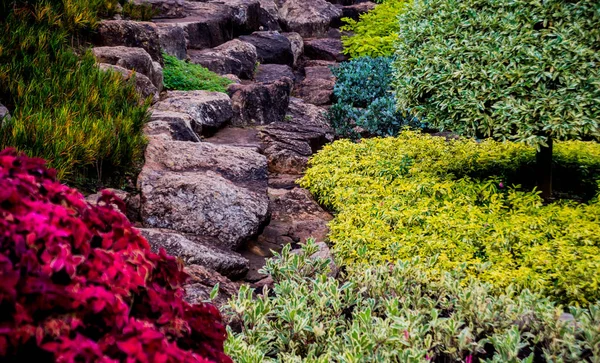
{"x":399,"y":313}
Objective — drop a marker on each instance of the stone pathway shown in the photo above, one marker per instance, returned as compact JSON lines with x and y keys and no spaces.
{"x":218,"y":185}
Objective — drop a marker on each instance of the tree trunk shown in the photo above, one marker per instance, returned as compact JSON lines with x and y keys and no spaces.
{"x":544,"y":170}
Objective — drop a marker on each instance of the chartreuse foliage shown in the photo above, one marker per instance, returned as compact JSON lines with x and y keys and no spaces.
{"x":85,"y":122}
{"x":364,"y":99}
{"x":419,"y":195}
{"x":185,"y":76}
{"x":511,"y":69}
{"x":79,"y":284}
{"x":375,"y":32}
{"x":396,"y":313}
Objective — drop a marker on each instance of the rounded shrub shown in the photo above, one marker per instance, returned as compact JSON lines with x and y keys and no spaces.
{"x":78,"y":283}
{"x":518,"y":70}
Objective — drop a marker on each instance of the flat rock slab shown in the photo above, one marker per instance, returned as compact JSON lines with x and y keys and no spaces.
{"x":195,"y":250}
{"x":237,"y":136}
{"x":204,"y":189}
{"x":209,"y":111}
{"x":177,"y":125}
{"x":288,"y":144}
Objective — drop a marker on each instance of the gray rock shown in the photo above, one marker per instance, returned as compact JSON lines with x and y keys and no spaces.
{"x":309,"y":18}
{"x":136,"y":59}
{"x":175,"y":124}
{"x":143,"y":84}
{"x":271,"y":73}
{"x":202,"y":281}
{"x":164,"y":8}
{"x":269,"y":15}
{"x":234,"y":57}
{"x":212,"y":23}
{"x":260,"y":104}
{"x":271,"y":47}
{"x":290,"y":143}
{"x":297,"y":45}
{"x":172,"y":41}
{"x":129,"y":33}
{"x":317,"y":86}
{"x":204,"y":189}
{"x":328,"y":49}
{"x":195,"y":250}
{"x":209,"y":110}
{"x":4,"y":113}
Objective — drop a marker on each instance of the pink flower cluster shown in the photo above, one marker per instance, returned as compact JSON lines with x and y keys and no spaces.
{"x":78,"y":283}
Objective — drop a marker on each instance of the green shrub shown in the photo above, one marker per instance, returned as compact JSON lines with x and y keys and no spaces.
{"x":514,"y":70}
{"x":395,"y":313}
{"x":185,"y":76}
{"x":365,"y":99}
{"x":375,"y":32}
{"x":86,"y":123}
{"x":419,"y":195}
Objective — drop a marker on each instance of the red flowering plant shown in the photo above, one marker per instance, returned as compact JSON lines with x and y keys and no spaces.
{"x":79,"y":283}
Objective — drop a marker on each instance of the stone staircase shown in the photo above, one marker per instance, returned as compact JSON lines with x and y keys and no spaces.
{"x":218,"y":185}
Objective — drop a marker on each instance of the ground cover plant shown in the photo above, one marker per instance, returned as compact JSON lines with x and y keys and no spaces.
{"x":365,"y":103}
{"x":79,"y":284}
{"x":513,"y":70}
{"x":186,"y":76}
{"x":85,"y":122}
{"x":375,"y":32}
{"x":396,"y":313}
{"x":459,"y":200}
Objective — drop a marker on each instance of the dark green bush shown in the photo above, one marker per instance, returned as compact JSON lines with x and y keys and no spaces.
{"x":86,"y":123}
{"x":185,"y":76}
{"x":364,"y":99}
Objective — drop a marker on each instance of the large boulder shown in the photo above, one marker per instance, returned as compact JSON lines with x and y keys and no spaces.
{"x":131,"y":58}
{"x":309,"y":18}
{"x":164,"y":8}
{"x":271,"y":73}
{"x":329,"y":49}
{"x":317,"y":86}
{"x":204,"y":189}
{"x":195,"y":250}
{"x":288,"y":144}
{"x":175,"y":124}
{"x":209,"y":110}
{"x":172,"y":41}
{"x":260,"y":104}
{"x":143,"y":84}
{"x":234,"y":57}
{"x":130,"y":34}
{"x":210,"y":24}
{"x":271,"y":47}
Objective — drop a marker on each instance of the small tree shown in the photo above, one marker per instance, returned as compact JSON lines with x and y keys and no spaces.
{"x":519,"y":70}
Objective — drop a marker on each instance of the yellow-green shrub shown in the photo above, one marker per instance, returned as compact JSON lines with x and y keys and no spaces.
{"x":419,"y":195}
{"x":375,"y":32}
